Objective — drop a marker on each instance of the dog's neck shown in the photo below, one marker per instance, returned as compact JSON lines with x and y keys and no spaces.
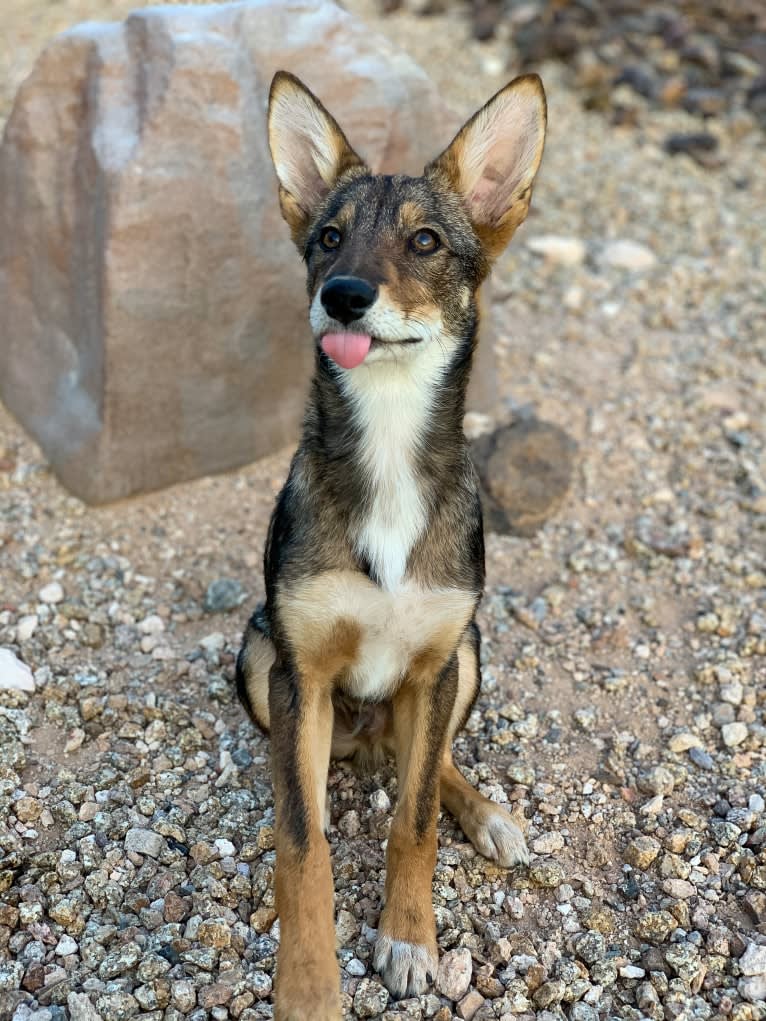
{"x":391,"y":435}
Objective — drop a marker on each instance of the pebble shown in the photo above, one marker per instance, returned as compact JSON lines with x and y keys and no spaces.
{"x":563,"y":250}
{"x":225,"y":848}
{"x":753,"y":989}
{"x":548,"y":843}
{"x":370,"y":999}
{"x":380,"y":801}
{"x":151,"y":625}
{"x":215,"y":933}
{"x":733,"y":734}
{"x":590,"y":947}
{"x":679,"y":889}
{"x":224,"y":594}
{"x":81,"y":1008}
{"x":142,"y":841}
{"x":732,"y":692}
{"x":701,"y":758}
{"x":632,"y":971}
{"x":26,"y":627}
{"x":630,"y":255}
{"x":753,"y":961}
{"x":641,"y":852}
{"x":14,"y":675}
{"x":546,"y":873}
{"x":655,"y":926}
{"x":51,"y":593}
{"x":454,"y":975}
{"x":657,"y":780}
{"x":469,"y":1005}
{"x":683,"y":742}
{"x":66,"y":946}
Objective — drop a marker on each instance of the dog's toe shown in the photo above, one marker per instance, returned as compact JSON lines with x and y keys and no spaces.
{"x":407,"y":969}
{"x":499,"y":838}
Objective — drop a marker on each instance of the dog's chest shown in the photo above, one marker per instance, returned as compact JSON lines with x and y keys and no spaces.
{"x":395,"y":627}
{"x":389,"y":628}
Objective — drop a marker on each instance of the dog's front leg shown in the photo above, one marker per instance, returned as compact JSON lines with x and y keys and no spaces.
{"x":405,"y":952}
{"x":308,"y":985}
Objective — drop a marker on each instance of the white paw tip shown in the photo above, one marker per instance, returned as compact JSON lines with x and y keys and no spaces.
{"x":502,"y":840}
{"x":407,"y":969}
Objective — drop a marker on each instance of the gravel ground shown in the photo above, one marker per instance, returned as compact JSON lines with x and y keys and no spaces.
{"x":623,"y":709}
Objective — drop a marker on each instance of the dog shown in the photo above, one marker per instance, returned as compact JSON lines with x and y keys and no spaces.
{"x":374,"y":561}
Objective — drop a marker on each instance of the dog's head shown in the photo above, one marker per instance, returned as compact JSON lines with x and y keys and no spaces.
{"x":394,"y":263}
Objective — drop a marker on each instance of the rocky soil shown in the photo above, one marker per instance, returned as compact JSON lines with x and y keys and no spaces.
{"x":624,"y":700}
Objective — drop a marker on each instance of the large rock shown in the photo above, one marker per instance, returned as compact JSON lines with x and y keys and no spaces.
{"x":153,"y":318}
{"x":525,"y":471}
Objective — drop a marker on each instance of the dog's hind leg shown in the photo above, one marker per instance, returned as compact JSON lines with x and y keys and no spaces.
{"x":253,"y":665}
{"x":487,"y":825}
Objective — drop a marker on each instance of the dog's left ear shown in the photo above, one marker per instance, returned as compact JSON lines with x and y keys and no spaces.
{"x":493,"y":160}
{"x":309,"y":150}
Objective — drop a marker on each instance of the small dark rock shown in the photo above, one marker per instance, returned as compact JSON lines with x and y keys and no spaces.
{"x":690,"y":143}
{"x":639,"y":78}
{"x":223,"y":594}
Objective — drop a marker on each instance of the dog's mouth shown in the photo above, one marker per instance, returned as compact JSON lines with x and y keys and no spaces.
{"x":350,"y":349}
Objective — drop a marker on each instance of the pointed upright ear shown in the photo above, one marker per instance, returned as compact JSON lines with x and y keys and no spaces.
{"x":309,"y":150}
{"x":493,"y":160}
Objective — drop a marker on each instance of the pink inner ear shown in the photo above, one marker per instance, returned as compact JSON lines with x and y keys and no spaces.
{"x":491,"y":195}
{"x":501,"y":155}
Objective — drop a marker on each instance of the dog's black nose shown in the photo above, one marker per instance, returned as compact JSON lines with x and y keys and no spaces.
{"x":347,"y":298}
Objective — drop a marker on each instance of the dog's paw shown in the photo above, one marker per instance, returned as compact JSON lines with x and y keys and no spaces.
{"x":495,"y":835}
{"x":407,"y":969}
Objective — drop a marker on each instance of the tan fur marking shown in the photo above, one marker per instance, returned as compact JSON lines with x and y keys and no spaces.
{"x":412,"y":215}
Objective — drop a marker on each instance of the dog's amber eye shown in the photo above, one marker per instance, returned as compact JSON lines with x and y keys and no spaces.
{"x":330,"y":238}
{"x":424,"y":242}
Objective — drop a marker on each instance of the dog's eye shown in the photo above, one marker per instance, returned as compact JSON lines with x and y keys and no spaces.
{"x":330,"y":238}
{"x":424,"y":242}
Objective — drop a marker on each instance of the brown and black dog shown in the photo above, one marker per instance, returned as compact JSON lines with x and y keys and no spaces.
{"x":374,"y":562}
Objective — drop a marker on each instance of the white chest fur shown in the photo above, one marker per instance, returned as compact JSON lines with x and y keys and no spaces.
{"x":392,"y":403}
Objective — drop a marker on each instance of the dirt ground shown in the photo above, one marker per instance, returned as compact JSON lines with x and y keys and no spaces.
{"x":624,"y":701}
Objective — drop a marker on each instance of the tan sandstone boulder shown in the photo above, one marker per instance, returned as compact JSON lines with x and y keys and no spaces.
{"x":152,"y":308}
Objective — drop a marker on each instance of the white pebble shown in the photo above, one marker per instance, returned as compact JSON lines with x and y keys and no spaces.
{"x":380,"y":801}
{"x":151,"y":625}
{"x":26,"y":627}
{"x":625,"y":254}
{"x":632,"y":971}
{"x":753,"y":961}
{"x":565,"y":251}
{"x":733,"y":734}
{"x":51,"y":593}
{"x":14,"y":674}
{"x":225,"y":848}
{"x":66,"y":946}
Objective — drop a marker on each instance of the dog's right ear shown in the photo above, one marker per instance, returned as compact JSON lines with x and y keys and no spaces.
{"x":309,"y":150}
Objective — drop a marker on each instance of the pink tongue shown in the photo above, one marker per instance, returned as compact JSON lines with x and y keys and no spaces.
{"x":347,"y":349}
